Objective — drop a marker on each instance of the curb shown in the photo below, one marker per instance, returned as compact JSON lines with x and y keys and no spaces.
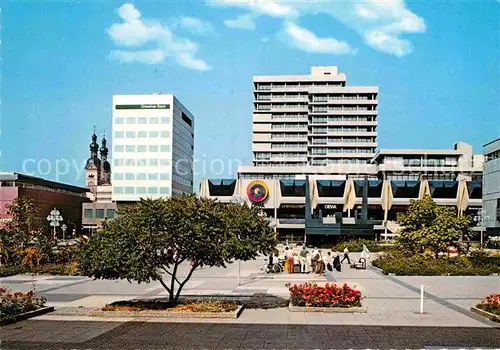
{"x":489,"y":315}
{"x":167,"y":314}
{"x":25,"y":315}
{"x":339,"y":310}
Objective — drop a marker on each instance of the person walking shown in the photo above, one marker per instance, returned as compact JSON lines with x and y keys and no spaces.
{"x":314,"y":259}
{"x":303,"y":259}
{"x":320,"y":266}
{"x":346,"y":256}
{"x":336,"y":263}
{"x":289,"y":260}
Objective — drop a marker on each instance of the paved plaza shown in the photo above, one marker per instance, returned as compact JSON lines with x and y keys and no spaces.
{"x":393,"y":304}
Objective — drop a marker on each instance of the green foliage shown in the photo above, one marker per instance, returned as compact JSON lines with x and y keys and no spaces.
{"x":357,"y":245}
{"x":26,"y":222}
{"x":16,"y":303}
{"x":400,"y":264}
{"x":154,"y":237}
{"x":426,"y":225}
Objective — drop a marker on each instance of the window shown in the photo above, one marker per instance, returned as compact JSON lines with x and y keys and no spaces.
{"x":142,"y":162}
{"x":165,"y":134}
{"x":129,"y":176}
{"x":118,"y":162}
{"x":110,"y":213}
{"x":119,"y":148}
{"x":142,"y":134}
{"x":117,"y":176}
{"x":140,"y":176}
{"x":153,"y":162}
{"x":153,"y":120}
{"x":129,"y":162}
{"x":154,"y":134}
{"x":99,"y":213}
{"x":165,"y":148}
{"x":165,"y":120}
{"x":130,"y":120}
{"x":129,"y":148}
{"x":119,"y":134}
{"x":88,"y":214}
{"x":129,"y":190}
{"x":141,"y":148}
{"x":164,"y":162}
{"x":164,"y":176}
{"x":152,"y":190}
{"x":153,"y":176}
{"x":498,"y":210}
{"x":140,"y":190}
{"x":130,"y":134}
{"x":153,"y":148}
{"x":118,"y":190}
{"x":164,"y":190}
{"x":119,"y":120}
{"x":187,"y":119}
{"x":142,"y":120}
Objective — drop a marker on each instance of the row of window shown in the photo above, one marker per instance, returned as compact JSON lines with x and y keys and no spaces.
{"x":141,"y":162}
{"x":493,"y":155}
{"x":326,"y":150}
{"x":181,"y":180}
{"x":325,"y":140}
{"x":260,"y":155}
{"x":266,"y":176}
{"x":141,"y":190}
{"x":295,"y":85}
{"x":327,"y":129}
{"x":39,"y":187}
{"x":267,"y":97}
{"x":288,"y":135}
{"x":141,"y":176}
{"x":326,"y":98}
{"x":365,"y":118}
{"x":279,"y":163}
{"x":289,"y":116}
{"x":267,"y":107}
{"x":142,"y":120}
{"x":141,"y":134}
{"x":288,"y":126}
{"x":142,"y":148}
{"x":338,"y":161}
{"x":288,"y":145}
{"x":325,"y":109}
{"x":422,"y":161}
{"x":99,"y":213}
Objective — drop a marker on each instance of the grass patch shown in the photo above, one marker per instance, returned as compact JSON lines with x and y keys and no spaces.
{"x":183,"y":306}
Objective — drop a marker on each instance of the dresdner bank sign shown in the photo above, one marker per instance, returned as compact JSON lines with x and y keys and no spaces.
{"x":146,"y":106}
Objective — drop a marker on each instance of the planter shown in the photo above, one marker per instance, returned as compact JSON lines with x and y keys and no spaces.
{"x":339,"y":310}
{"x":489,"y":315}
{"x":25,"y":315}
{"x":167,"y":314}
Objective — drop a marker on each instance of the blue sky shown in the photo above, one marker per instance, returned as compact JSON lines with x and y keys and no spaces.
{"x":436,"y":65}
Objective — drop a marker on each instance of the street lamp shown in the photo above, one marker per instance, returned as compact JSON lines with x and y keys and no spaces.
{"x":481,"y":217}
{"x":54,"y":218}
{"x":64,"y":228}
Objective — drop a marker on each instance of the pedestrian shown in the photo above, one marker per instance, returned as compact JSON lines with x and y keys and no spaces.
{"x":320,"y":266}
{"x":289,"y":260}
{"x":314,"y":259}
{"x":346,"y":256}
{"x":303,"y":259}
{"x":336,"y":263}
{"x":327,"y":260}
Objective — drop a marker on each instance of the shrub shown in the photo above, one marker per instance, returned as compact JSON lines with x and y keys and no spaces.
{"x":16,"y":303}
{"x":11,"y":270}
{"x":419,"y":265}
{"x":357,"y":245}
{"x":68,"y":269}
{"x":491,"y":304}
{"x":331,"y":295}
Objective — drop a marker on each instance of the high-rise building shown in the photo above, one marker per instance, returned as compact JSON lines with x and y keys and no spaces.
{"x":313,"y":120}
{"x":491,"y":187}
{"x":153,"y":147}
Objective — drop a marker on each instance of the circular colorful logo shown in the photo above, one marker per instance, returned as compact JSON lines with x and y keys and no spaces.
{"x":257,"y":191}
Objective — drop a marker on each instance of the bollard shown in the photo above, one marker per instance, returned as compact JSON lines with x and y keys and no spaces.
{"x":421,"y":298}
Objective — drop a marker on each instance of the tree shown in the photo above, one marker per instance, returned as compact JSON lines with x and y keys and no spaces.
{"x":26,"y":222}
{"x":155,"y":238}
{"x":426,"y":225}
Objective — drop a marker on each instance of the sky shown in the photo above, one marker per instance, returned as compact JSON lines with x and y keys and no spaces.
{"x":436,"y":65}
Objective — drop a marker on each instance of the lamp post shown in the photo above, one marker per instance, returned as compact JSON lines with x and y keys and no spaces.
{"x":64,"y":228}
{"x":54,"y":218}
{"x":481,"y":217}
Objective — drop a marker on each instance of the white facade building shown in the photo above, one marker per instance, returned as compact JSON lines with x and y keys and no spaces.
{"x":153,"y":147}
{"x":313,"y":120}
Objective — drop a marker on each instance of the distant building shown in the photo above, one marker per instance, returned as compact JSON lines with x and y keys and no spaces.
{"x":491,"y":192}
{"x":313,"y":120}
{"x":46,"y":194}
{"x":153,"y":147}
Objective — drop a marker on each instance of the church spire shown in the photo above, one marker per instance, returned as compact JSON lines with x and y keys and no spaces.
{"x":105,"y":178}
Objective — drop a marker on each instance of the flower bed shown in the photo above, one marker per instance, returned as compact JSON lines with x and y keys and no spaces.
{"x":490,"y":304}
{"x":329,"y":296}
{"x":12,"y":304}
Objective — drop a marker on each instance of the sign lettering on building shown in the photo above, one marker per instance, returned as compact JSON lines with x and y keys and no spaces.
{"x":292,"y":206}
{"x":330,"y":206}
{"x":145,"y":106}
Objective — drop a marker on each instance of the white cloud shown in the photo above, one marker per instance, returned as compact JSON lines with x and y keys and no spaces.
{"x":135,"y":32}
{"x":246,"y":22}
{"x":381,"y":24}
{"x":197,"y":26}
{"x":306,"y":40}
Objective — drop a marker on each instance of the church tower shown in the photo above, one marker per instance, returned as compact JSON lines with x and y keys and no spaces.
{"x":93,"y":166}
{"x":105,"y":176}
